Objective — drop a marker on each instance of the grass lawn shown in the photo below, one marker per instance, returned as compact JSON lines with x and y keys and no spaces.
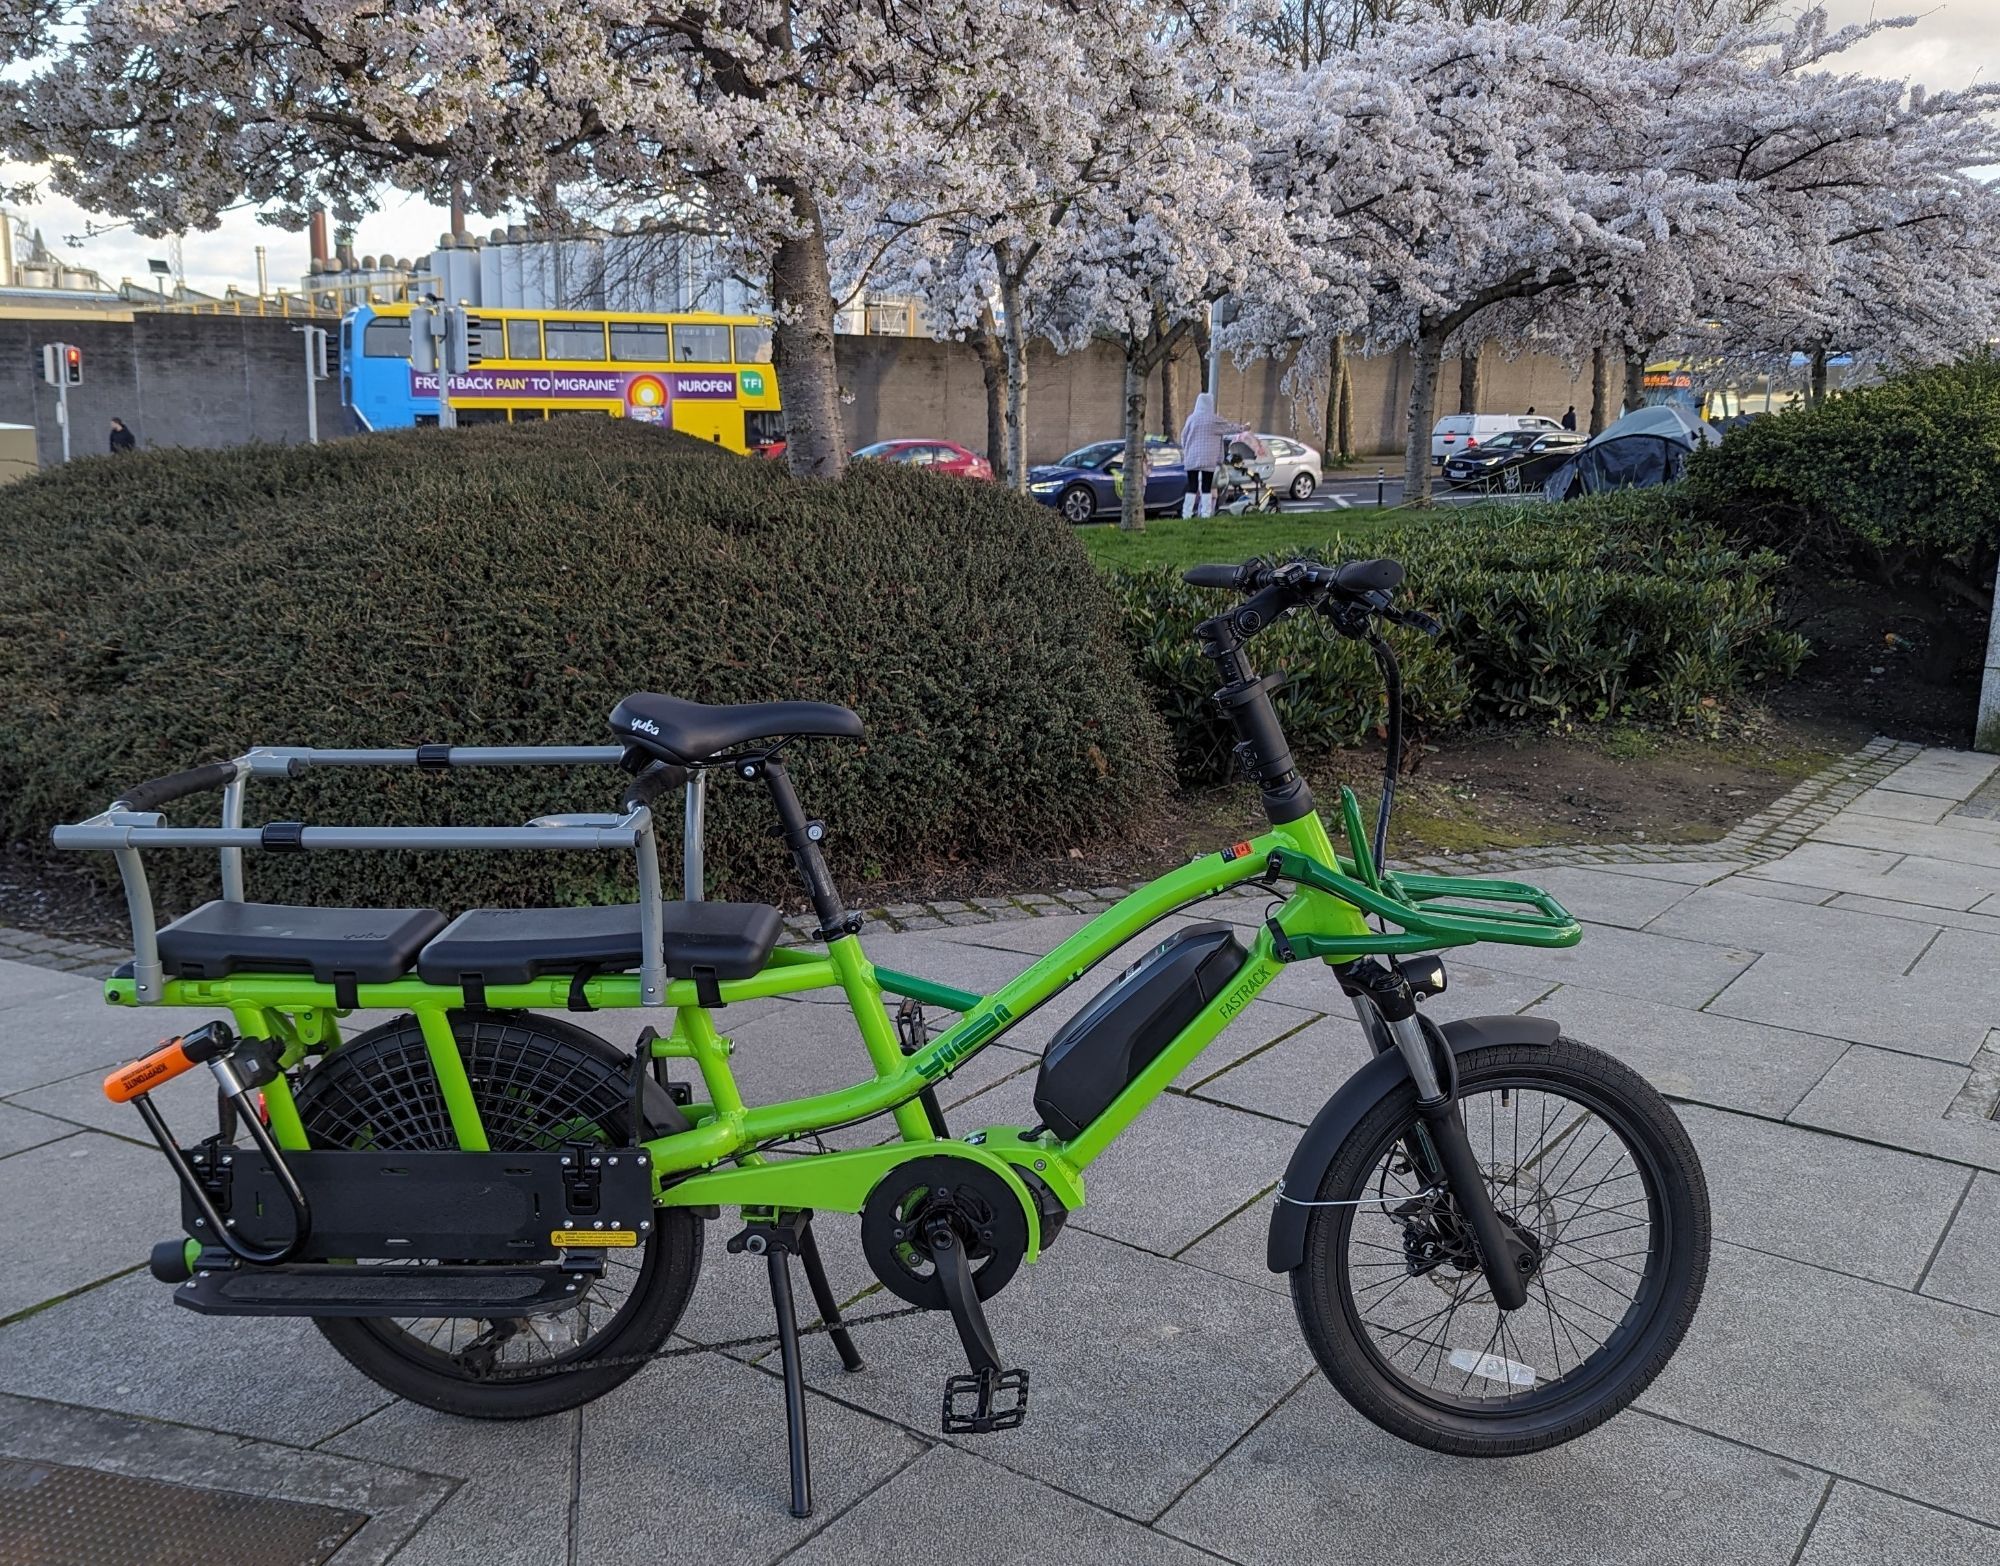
{"x":1179,"y":541}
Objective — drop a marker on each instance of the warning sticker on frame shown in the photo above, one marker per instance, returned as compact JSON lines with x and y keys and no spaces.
{"x":615,"y":1239}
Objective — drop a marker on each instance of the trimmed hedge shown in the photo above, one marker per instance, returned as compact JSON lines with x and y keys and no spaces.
{"x":1899,"y":481}
{"x":507,"y":585}
{"x":1604,"y":608}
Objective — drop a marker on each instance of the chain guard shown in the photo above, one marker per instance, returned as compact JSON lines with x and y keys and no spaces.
{"x":982,"y":1207}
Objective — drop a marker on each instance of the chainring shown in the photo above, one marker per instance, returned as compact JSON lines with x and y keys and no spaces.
{"x":981,"y":1206}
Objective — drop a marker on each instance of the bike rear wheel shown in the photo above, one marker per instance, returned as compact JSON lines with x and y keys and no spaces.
{"x":538,"y":1082}
{"x":1582,"y":1157}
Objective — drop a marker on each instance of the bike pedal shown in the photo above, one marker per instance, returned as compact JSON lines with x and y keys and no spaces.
{"x":981,"y":1386}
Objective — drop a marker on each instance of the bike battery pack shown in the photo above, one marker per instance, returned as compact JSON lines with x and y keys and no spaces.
{"x":1102,"y":1048}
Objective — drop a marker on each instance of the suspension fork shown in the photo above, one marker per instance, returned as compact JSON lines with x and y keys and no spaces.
{"x":1441,"y":1152}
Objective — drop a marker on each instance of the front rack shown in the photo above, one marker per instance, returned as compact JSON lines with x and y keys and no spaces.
{"x":1430,"y":910}
{"x":125,"y":829}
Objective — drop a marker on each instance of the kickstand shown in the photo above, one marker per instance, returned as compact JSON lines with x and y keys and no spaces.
{"x":776,"y":1242}
{"x":822,"y":1293}
{"x":780,"y":1264}
{"x":968,"y":1314}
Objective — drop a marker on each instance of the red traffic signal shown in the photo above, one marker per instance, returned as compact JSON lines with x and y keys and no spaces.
{"x":73,"y":364}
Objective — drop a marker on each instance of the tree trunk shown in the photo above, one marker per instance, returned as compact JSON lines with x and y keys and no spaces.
{"x":1426,"y":358}
{"x":802,"y":344}
{"x":1204,"y":345}
{"x":1015,"y":342}
{"x":1168,"y":427}
{"x":1132,"y":514}
{"x":1635,"y":379}
{"x":1329,"y":424}
{"x":1345,"y":430}
{"x":1600,"y":389}
{"x":993,"y":371}
{"x":1816,"y":387}
{"x":1468,"y":381}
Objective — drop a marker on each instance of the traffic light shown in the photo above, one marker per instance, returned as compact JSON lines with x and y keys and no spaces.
{"x":461,"y":340}
{"x":62,"y":364}
{"x":316,"y":353}
{"x":423,"y":340}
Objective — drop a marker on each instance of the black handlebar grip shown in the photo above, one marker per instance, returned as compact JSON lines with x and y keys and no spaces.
{"x":177,"y":785}
{"x":1369,"y":576}
{"x":1225,"y":576}
{"x":654,"y":781}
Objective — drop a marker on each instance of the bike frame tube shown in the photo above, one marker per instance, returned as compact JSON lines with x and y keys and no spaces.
{"x":1322,"y":915}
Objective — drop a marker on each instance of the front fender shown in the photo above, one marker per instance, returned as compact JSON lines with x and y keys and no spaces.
{"x":1342,"y":1113}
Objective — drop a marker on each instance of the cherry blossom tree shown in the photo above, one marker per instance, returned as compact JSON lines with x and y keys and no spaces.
{"x":761,"y":116}
{"x":1102,"y":138}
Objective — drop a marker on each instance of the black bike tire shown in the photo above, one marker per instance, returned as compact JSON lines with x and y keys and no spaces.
{"x":1322,"y":1292}
{"x":671,"y":1265}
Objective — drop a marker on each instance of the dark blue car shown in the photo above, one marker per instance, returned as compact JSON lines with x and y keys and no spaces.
{"x":1081,"y":487}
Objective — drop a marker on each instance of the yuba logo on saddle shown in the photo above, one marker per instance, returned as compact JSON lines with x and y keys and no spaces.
{"x":951,"y":1051}
{"x":645,"y":726}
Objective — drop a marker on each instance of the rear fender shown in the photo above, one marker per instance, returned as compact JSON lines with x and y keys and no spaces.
{"x":1345,"y":1111}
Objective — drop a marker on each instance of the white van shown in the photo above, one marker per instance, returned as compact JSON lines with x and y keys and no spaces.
{"x":1457,"y":433}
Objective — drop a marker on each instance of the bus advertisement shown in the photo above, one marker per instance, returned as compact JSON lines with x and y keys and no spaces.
{"x":708,"y":376}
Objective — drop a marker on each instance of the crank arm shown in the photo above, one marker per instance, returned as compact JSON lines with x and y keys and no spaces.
{"x":968,"y":1313}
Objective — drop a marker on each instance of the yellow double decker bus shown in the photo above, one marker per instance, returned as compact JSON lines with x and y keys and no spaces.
{"x":705,"y":375}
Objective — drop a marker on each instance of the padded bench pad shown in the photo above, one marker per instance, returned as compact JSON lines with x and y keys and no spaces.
{"x":367,"y":945}
{"x":516,"y":945}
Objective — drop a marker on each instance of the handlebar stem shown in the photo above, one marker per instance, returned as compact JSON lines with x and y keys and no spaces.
{"x":1261,"y":747}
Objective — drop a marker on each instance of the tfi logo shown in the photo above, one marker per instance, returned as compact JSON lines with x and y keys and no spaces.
{"x":645,"y":726}
{"x":753,"y":383}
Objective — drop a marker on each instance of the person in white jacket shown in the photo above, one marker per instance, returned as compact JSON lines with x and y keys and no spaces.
{"x":1204,"y":437}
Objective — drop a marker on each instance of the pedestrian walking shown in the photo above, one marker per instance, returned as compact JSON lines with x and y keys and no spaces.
{"x":1202,"y":442}
{"x":122,"y":439}
{"x":1569,"y":418}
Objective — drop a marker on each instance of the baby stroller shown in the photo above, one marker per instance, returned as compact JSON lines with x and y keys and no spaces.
{"x":1244,"y":481}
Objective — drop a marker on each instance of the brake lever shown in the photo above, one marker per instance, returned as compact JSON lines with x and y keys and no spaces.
{"x":1416,"y":620}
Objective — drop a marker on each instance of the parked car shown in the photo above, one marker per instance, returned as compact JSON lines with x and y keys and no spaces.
{"x":1082,"y":485}
{"x":1513,"y":460}
{"x":1457,"y":433}
{"x":1297,"y":466}
{"x":943,"y":455}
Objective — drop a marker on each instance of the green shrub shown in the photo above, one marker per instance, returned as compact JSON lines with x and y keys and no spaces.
{"x":1898,"y":482}
{"x":1606,"y":608}
{"x":506,"y":586}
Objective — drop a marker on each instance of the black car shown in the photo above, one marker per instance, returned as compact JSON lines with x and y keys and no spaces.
{"x":1514,"y":461}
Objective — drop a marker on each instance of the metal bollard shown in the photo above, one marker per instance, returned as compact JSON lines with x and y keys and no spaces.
{"x":1381,"y":481}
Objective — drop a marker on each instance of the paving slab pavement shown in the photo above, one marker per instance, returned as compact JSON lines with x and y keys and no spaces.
{"x":1824,"y":1015}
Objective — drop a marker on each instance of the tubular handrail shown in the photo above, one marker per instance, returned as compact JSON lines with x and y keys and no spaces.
{"x":125,"y":832}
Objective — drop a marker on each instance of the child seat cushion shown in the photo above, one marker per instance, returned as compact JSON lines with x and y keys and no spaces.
{"x":365,"y":945}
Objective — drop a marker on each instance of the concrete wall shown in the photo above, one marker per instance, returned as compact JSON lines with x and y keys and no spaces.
{"x":913,"y":386}
{"x":176,"y":380}
{"x":198,"y":380}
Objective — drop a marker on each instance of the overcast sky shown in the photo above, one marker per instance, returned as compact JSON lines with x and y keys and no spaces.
{"x":1953,"y":44}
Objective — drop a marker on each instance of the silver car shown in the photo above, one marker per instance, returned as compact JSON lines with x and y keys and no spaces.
{"x":1298,"y":466}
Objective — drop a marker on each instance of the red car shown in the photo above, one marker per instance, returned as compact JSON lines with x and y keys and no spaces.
{"x":942,"y":455}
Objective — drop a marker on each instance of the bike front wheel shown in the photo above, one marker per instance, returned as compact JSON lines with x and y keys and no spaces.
{"x":1589,"y":1164}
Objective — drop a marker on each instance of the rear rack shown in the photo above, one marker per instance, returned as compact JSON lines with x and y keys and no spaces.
{"x":125,"y":831}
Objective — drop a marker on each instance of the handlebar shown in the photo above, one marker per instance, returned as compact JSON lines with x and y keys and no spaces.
{"x":1348,"y":593}
{"x":1353,"y":578}
{"x":153,"y":794}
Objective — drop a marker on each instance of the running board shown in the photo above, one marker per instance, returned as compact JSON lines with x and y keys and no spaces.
{"x":334,"y":1289}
